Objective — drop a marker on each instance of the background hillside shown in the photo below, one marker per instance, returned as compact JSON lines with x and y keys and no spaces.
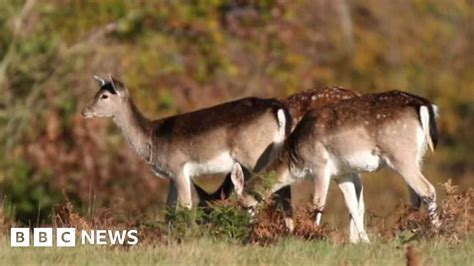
{"x":178,"y":56}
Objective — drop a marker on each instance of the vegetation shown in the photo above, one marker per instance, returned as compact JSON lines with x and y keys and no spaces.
{"x":178,"y":56}
{"x":204,"y":251}
{"x":224,"y":235}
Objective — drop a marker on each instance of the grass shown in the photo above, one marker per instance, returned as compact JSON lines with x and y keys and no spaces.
{"x":225,"y":236}
{"x":205,"y":251}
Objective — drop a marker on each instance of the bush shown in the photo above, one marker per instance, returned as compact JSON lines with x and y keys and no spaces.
{"x":30,"y":193}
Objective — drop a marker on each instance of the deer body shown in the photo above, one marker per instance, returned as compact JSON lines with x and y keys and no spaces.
{"x":358,"y":135}
{"x":298,"y":105}
{"x":208,"y":141}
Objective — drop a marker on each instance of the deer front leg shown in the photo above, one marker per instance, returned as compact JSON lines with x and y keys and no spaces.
{"x":415,"y":200}
{"x":283,"y":199}
{"x":183,"y":186}
{"x":321,"y":188}
{"x":350,"y":198}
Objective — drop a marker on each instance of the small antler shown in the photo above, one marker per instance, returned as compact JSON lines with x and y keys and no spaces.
{"x":100,"y":80}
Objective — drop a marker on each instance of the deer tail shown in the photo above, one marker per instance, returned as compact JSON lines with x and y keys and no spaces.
{"x":428,"y":117}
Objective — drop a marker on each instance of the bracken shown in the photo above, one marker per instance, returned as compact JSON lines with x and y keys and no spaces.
{"x":456,"y":214}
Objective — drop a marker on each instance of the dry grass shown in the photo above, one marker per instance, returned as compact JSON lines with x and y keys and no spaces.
{"x":225,"y":219}
{"x":305,"y":227}
{"x":5,"y":221}
{"x":64,"y":215}
{"x":222,"y":235}
{"x":456,"y":213}
{"x":269,"y":226}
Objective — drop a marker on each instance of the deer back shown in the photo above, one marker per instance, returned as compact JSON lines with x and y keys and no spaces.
{"x":300,"y":103}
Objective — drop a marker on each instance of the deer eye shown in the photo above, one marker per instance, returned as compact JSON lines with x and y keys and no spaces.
{"x":104,"y":96}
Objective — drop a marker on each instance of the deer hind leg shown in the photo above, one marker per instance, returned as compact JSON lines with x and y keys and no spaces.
{"x":359,"y":191}
{"x":410,"y":171}
{"x":283,"y":199}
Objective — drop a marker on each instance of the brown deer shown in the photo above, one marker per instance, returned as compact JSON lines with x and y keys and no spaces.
{"x":357,"y":135}
{"x":298,"y":104}
{"x":248,"y":131}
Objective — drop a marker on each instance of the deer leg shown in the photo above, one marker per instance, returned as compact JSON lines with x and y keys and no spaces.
{"x":414,"y":198}
{"x":224,"y":191}
{"x":348,"y":189}
{"x":171,"y":200}
{"x":183,"y":185}
{"x":359,"y":191}
{"x":421,"y":186}
{"x":184,"y":188}
{"x":321,"y":189}
{"x":283,"y":199}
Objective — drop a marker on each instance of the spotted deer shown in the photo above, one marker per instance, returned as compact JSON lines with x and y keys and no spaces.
{"x":248,"y":131}
{"x":298,"y":104}
{"x":357,"y":135}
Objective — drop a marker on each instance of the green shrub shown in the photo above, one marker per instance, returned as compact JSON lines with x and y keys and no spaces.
{"x":30,"y":194}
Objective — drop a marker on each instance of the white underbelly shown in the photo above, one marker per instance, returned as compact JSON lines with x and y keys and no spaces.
{"x":363,"y":161}
{"x":221,"y":164}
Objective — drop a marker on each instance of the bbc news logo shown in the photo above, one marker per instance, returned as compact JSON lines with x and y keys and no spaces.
{"x":66,"y":237}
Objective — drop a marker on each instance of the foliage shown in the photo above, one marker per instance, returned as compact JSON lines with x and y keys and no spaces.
{"x":32,"y":200}
{"x":261,"y":183}
{"x":456,"y":216}
{"x":218,"y":238}
{"x":227,"y":220}
{"x":177,"y":56}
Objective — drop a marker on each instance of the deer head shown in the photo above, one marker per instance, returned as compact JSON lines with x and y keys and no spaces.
{"x":246,"y":200}
{"x":111,"y":99}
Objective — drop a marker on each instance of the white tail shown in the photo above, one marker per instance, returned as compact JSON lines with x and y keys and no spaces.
{"x":425,"y":125}
{"x":281,"y":134}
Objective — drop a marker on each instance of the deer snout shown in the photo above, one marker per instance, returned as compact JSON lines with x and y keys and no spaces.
{"x":86,"y":112}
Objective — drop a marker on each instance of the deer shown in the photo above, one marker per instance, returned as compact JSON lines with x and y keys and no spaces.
{"x":361,"y":134}
{"x":248,"y":131}
{"x":298,"y":104}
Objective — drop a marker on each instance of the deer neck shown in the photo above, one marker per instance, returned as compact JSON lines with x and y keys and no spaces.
{"x":136,"y":129}
{"x":273,"y":178}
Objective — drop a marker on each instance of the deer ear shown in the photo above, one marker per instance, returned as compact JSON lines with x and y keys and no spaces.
{"x":99,"y":80}
{"x":119,"y":87}
{"x":237,"y":177}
